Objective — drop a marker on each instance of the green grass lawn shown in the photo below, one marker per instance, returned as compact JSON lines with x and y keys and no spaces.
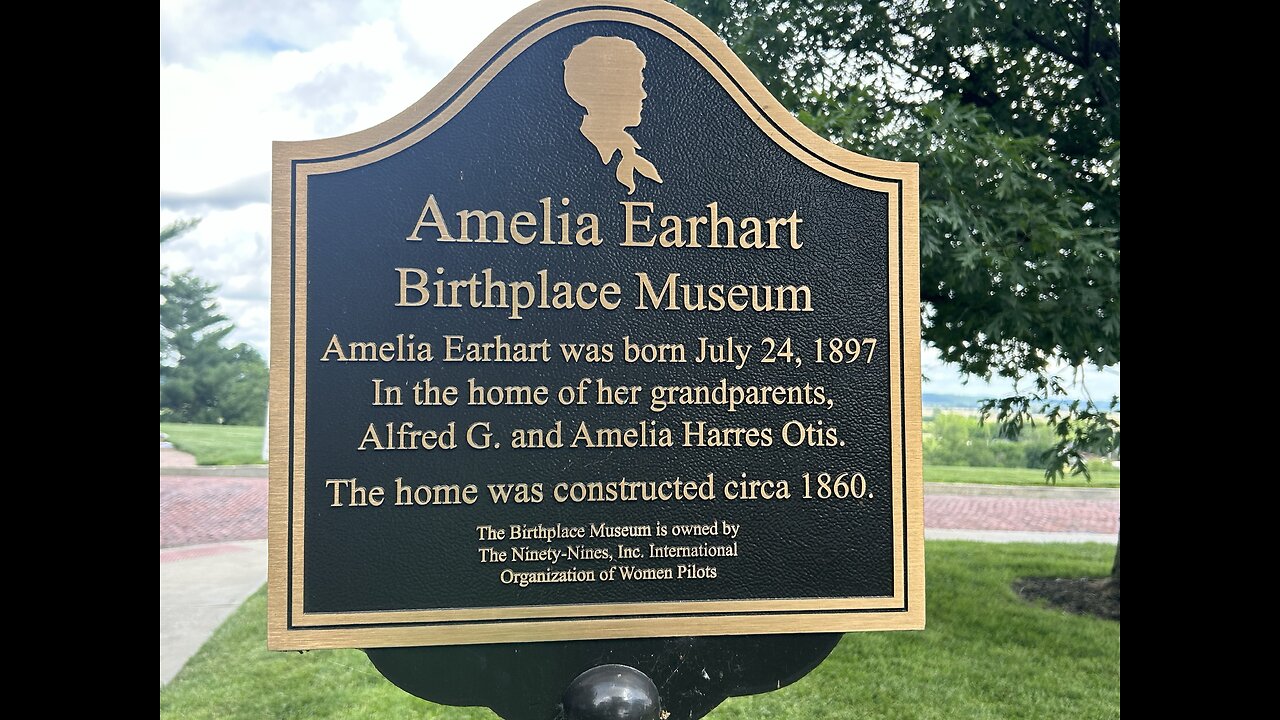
{"x":1106,"y":478}
{"x":217,"y":444}
{"x":986,"y":654}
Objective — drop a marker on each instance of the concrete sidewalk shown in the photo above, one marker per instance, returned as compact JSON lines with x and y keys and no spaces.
{"x":200,"y":585}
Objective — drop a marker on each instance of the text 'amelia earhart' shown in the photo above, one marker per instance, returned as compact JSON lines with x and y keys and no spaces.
{"x":526,"y":227}
{"x":643,"y":228}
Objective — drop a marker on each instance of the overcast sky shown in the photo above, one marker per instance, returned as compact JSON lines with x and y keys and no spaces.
{"x":237,"y":74}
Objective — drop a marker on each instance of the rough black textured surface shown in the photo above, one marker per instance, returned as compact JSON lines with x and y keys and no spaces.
{"x":516,"y":142}
{"x":526,"y":681}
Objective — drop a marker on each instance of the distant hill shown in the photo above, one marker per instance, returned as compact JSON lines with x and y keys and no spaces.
{"x":947,"y":401}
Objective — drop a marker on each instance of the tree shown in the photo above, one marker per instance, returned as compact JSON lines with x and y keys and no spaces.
{"x":190,"y":320}
{"x":200,"y":380}
{"x":1012,"y":109}
{"x":953,"y":439}
{"x":175,"y":229}
{"x":167,"y":233}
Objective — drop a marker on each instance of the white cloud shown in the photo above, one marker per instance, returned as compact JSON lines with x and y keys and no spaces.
{"x":233,"y":249}
{"x":256,"y":188}
{"x":237,"y":74}
{"x":193,"y":31}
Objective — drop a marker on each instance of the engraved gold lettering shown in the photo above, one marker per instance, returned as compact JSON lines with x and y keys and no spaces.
{"x":419,"y":286}
{"x":457,"y":348}
{"x":424,"y":393}
{"x":404,"y":436}
{"x":432,"y":209}
{"x":523,"y":219}
{"x":653,"y":352}
{"x":645,"y":434}
{"x":630,"y":223}
{"x":693,"y":551}
{"x":404,"y":349}
{"x":750,"y":238}
{"x":588,"y":230}
{"x":356,"y":495}
{"x":479,"y":394}
{"x":531,"y":438}
{"x":482,"y":227}
{"x":718,"y":224}
{"x":631,"y":572}
{"x":694,"y":222}
{"x":409,"y":494}
{"x":756,"y":489}
{"x":733,"y":396}
{"x":484,"y":290}
{"x":525,"y":579}
{"x":676,"y":296}
{"x":546,"y":532}
{"x":723,"y":231}
{"x":672,"y":234}
{"x":633,"y":491}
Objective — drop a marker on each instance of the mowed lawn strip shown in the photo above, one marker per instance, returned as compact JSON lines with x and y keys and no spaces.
{"x":1104,"y":477}
{"x":985,"y":654}
{"x":217,"y":444}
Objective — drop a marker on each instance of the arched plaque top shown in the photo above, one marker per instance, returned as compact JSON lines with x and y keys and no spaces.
{"x":600,"y":190}
{"x":541,"y":19}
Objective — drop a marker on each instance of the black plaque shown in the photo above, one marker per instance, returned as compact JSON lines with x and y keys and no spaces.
{"x":594,"y":341}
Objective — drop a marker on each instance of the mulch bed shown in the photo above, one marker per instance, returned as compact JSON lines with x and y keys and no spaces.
{"x":1081,"y":596}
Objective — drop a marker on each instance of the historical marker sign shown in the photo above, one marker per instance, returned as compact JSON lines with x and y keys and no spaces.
{"x":593,"y":341}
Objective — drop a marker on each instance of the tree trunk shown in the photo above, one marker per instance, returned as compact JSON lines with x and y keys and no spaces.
{"x":1115,"y":566}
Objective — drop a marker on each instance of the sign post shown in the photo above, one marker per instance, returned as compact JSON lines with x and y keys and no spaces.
{"x":594,"y":345}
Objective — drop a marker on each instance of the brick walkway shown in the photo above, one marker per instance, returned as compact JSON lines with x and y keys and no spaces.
{"x":968,"y":512}
{"x":203,"y":510}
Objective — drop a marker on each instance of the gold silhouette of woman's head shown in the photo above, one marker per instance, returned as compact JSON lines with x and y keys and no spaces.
{"x":605,"y":75}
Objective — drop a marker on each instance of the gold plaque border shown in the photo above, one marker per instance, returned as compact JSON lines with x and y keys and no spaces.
{"x":290,"y":628}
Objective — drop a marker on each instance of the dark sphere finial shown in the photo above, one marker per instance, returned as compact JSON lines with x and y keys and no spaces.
{"x":612,"y":692}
